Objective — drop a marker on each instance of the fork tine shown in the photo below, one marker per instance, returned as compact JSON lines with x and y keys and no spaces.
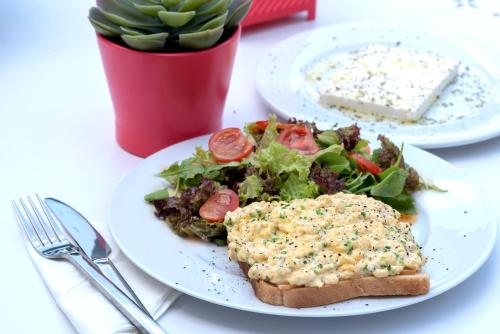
{"x":42,"y":234}
{"x":30,"y":231}
{"x":56,"y":229}
{"x":46,"y":226}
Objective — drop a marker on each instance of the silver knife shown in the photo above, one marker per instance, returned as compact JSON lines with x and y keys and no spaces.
{"x":92,"y":245}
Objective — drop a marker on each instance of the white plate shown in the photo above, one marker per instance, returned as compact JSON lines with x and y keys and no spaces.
{"x":466,"y":112}
{"x":456,"y":230}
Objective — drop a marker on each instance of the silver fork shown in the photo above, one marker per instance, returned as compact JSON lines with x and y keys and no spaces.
{"x":49,"y":241}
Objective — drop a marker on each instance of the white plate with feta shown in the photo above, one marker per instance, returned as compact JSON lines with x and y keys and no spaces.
{"x":456,"y":229}
{"x":426,"y":88}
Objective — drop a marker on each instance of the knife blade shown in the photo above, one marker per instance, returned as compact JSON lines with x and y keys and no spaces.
{"x":91,"y":243}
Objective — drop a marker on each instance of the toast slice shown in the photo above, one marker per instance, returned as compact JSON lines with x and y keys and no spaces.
{"x":300,"y":296}
{"x":312,"y":252}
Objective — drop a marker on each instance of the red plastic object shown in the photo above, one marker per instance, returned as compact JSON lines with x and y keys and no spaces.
{"x":162,"y":98}
{"x":270,"y":10}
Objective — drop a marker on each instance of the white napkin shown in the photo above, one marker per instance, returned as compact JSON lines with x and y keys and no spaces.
{"x":87,"y":309}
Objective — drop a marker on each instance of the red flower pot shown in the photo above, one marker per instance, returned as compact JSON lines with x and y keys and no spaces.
{"x":163,"y":98}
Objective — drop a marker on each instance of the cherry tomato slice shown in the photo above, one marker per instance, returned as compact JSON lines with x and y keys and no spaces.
{"x":298,"y":138}
{"x":262,"y":125}
{"x":215,"y":208}
{"x":229,"y":145}
{"x":365,"y":164}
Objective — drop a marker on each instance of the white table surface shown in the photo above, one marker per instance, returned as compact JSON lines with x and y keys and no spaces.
{"x":56,"y":138}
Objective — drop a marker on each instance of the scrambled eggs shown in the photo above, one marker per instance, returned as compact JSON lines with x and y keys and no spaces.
{"x":312,"y":242}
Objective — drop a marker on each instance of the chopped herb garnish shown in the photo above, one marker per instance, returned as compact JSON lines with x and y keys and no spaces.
{"x":349,"y":247}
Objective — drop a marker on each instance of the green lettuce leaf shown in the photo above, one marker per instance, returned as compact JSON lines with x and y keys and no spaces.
{"x":188,"y":172}
{"x":361,"y":147}
{"x":270,"y":134}
{"x":295,"y":187}
{"x":250,"y":188}
{"x":277,"y":160}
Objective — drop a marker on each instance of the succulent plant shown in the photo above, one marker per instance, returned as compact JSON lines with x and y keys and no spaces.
{"x":163,"y":25}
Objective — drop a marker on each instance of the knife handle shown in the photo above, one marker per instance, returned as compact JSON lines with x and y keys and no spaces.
{"x":144,"y":323}
{"x":109,"y":270}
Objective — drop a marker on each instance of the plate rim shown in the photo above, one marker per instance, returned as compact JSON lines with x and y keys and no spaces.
{"x":490,"y":133}
{"x":280,"y":311}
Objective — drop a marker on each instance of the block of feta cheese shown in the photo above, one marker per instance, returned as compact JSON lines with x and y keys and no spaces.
{"x":388,"y":81}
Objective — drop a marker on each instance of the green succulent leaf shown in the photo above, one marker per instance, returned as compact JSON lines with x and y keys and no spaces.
{"x":175,"y":19}
{"x":214,"y":7}
{"x":202,"y":39}
{"x":237,"y":12}
{"x":192,"y":26}
{"x":133,"y":32}
{"x":170,"y":3}
{"x":123,"y":12}
{"x":189,"y":5}
{"x":143,"y":24}
{"x":215,"y":22}
{"x":146,"y":42}
{"x":129,"y":22}
{"x":102,"y":29}
{"x":101,"y":24}
{"x":150,"y":10}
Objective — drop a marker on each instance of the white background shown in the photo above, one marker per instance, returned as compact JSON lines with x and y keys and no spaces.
{"x":56,"y":138}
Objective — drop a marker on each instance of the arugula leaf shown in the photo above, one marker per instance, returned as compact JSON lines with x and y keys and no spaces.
{"x":392,"y":185}
{"x":402,"y":203}
{"x":388,"y":172}
{"x":327,"y":138}
{"x":251,"y":187}
{"x":368,"y":182}
{"x":330,"y":149}
{"x":432,"y":186}
{"x":157,"y":195}
{"x":332,"y":158}
{"x":375,"y":155}
{"x":295,"y":187}
{"x":360,"y":183}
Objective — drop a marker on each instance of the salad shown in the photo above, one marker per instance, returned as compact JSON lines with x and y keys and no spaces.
{"x":273,"y":161}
